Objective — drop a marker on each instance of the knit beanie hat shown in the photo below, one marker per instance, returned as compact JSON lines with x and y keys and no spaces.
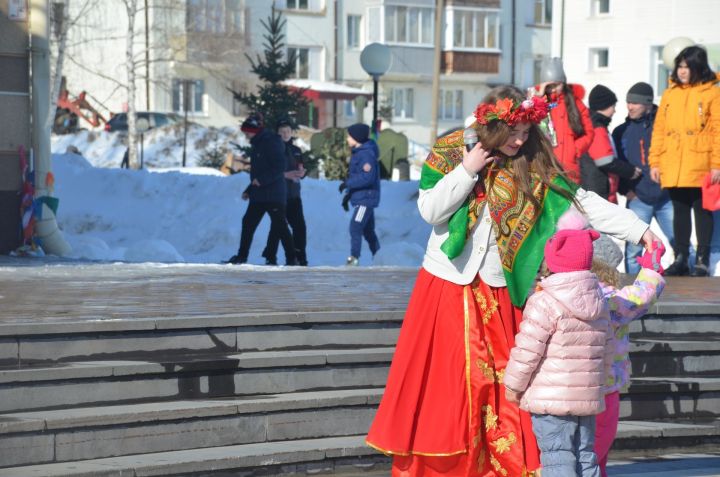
{"x":570,"y":250}
{"x":601,"y":97}
{"x":551,"y":71}
{"x":640,"y":93}
{"x":253,"y":123}
{"x":607,"y":251}
{"x":360,"y":132}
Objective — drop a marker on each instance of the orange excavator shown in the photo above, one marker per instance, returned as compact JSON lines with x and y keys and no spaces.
{"x":70,"y":110}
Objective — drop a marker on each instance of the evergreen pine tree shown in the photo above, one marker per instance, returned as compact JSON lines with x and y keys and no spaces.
{"x":273,"y":100}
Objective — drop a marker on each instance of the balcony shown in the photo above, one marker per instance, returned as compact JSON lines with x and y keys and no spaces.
{"x":469,"y":62}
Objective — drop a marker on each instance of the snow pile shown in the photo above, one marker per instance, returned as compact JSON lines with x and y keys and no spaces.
{"x":195,"y":215}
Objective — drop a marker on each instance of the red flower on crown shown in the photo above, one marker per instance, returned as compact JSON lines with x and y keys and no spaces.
{"x":531,"y":110}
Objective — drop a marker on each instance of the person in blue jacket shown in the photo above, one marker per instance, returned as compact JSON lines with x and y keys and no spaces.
{"x":632,"y":143}
{"x":267,"y":192}
{"x":362,"y":190}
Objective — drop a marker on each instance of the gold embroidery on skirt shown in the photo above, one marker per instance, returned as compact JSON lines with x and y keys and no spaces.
{"x":490,"y":418}
{"x":496,"y":465}
{"x":503,"y":444}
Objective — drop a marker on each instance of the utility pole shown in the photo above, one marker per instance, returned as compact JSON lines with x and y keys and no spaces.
{"x":186,"y":85}
{"x":439,"y":6}
{"x":147,"y":57}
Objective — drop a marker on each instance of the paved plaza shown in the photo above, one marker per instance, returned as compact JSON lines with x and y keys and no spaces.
{"x":45,"y":292}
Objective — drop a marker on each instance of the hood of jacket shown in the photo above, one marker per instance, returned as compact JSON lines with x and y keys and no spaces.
{"x":578,"y":292}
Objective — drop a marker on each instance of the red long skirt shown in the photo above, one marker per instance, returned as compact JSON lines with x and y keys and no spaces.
{"x":444,"y":411}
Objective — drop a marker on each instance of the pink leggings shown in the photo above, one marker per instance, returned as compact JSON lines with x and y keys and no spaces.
{"x":606,"y":428}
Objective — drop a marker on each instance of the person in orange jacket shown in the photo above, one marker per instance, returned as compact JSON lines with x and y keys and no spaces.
{"x":571,"y":130}
{"x":685,"y":148}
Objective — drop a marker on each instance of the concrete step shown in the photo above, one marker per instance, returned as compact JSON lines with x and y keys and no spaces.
{"x":163,"y":338}
{"x":345,"y":455}
{"x":108,"y":431}
{"x":676,"y":357}
{"x":236,"y":460}
{"x":123,"y":382}
{"x":676,"y":322}
{"x":653,"y":398}
{"x":655,"y":437}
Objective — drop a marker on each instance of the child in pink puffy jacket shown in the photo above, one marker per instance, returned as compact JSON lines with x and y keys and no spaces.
{"x":625,"y":304}
{"x":562,"y":355}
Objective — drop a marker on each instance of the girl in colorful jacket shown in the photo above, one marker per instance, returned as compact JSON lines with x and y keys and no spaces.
{"x":562,"y":356}
{"x":625,"y":305}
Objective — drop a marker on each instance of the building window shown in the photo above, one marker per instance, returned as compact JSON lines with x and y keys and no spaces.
{"x":297,"y":4}
{"x":660,"y":73}
{"x":308,"y":61}
{"x":474,"y":29}
{"x":600,"y":7}
{"x":353,"y":31}
{"x":374,"y":24}
{"x":402,"y":102}
{"x":195,"y":95}
{"x":349,"y":110}
{"x":451,"y":104}
{"x":215,"y":16}
{"x":543,"y":12}
{"x":599,"y":58}
{"x":302,"y":62}
{"x":307,"y":5}
{"x":409,"y":25}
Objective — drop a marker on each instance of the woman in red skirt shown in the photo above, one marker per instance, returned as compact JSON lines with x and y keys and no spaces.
{"x":444,"y":411}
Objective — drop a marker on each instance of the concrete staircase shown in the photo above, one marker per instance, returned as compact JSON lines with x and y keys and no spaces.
{"x":274,"y":394}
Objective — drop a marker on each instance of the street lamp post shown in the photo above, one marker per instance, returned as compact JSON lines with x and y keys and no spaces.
{"x":375,"y":59}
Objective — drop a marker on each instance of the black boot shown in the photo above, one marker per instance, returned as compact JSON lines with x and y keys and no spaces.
{"x":702,"y":262}
{"x":679,"y":267}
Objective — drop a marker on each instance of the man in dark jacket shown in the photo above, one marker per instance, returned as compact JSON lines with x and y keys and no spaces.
{"x":266,"y":192}
{"x":644,"y":196}
{"x":363,"y":190}
{"x":294,"y":171}
{"x":600,"y":168}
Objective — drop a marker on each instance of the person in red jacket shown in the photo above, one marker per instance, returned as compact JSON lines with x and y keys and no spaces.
{"x":570,"y":128}
{"x":600,"y":168}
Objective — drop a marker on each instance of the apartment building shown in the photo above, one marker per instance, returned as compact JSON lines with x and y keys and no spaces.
{"x":484,"y":43}
{"x":201,"y":45}
{"x":618,"y":43}
{"x":195,"y":44}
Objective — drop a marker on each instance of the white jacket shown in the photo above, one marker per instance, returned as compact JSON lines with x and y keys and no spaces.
{"x":480,"y":254}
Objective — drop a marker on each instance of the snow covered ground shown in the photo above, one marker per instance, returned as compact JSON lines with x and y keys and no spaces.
{"x":194,"y":215}
{"x":169,"y":214}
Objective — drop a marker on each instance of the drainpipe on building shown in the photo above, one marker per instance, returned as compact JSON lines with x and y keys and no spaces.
{"x":46,"y":228}
{"x":512,"y":42}
{"x":558,"y":29}
{"x":435,"y":107}
{"x":335,"y":60}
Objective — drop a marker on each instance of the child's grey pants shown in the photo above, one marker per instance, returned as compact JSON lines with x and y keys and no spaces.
{"x":566,"y":445}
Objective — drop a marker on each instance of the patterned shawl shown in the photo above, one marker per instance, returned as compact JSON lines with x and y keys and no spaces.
{"x":520,"y":230}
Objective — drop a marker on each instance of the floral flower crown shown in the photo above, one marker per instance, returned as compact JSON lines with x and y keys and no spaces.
{"x":531,"y":110}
